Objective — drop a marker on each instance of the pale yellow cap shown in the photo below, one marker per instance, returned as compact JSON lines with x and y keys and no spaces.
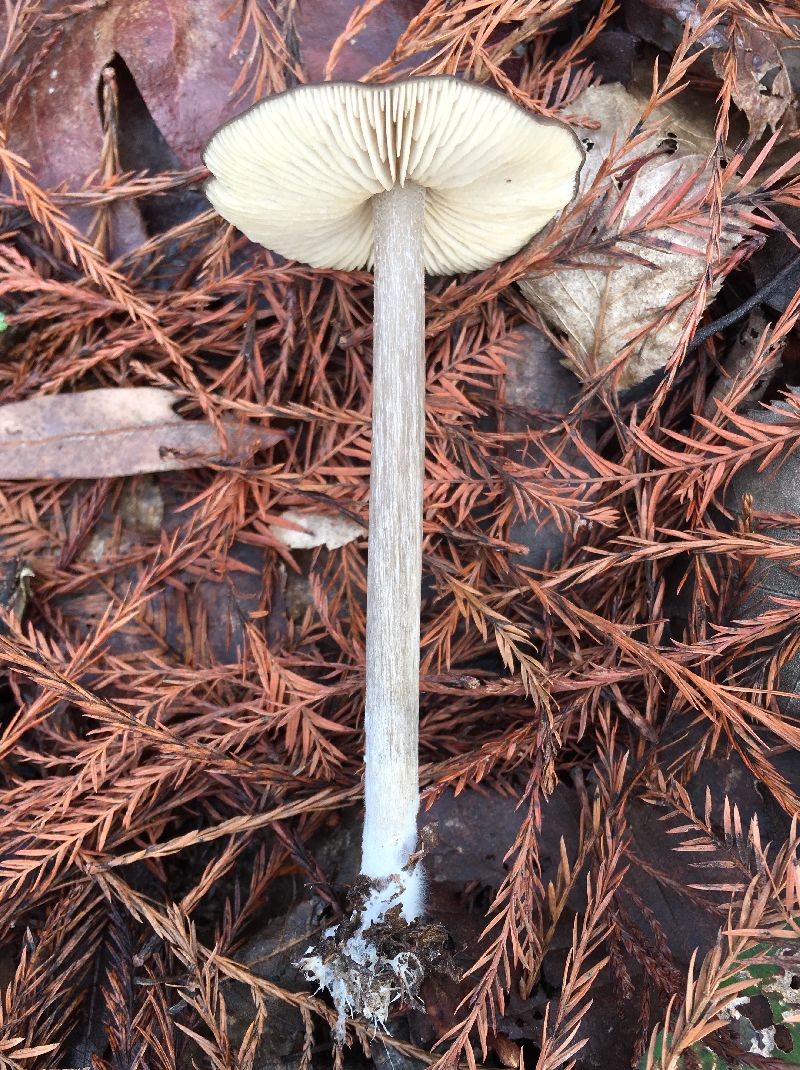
{"x":297,"y":171}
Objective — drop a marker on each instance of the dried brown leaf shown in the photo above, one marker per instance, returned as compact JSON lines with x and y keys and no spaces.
{"x":114,"y":432}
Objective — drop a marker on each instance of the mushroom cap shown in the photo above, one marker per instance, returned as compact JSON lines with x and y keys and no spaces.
{"x":297,"y":171}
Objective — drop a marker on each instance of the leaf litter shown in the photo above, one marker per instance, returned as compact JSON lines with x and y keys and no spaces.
{"x":630,"y":310}
{"x":121,"y":431}
{"x":180,"y":751}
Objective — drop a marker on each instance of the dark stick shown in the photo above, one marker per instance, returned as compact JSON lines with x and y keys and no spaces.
{"x":743,"y":309}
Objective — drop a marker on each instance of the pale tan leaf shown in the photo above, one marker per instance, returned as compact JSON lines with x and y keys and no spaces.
{"x":636,"y":291}
{"x":303,"y":531}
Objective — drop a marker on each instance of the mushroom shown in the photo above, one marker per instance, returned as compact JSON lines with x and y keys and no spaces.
{"x":431,"y":175}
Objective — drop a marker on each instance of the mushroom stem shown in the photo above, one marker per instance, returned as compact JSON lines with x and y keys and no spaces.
{"x":394,"y":572}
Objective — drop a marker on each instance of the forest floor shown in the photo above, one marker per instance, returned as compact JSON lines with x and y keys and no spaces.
{"x":611,"y":607}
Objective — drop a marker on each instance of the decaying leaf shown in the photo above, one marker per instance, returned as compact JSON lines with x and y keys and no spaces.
{"x":180,"y":59}
{"x":635,"y":295}
{"x":175,"y":68}
{"x":761,"y":1015}
{"x":113,"y":432}
{"x":661,"y":22}
{"x":762,"y":88}
{"x":759,"y":62}
{"x":304,"y":531}
{"x":318,"y":26}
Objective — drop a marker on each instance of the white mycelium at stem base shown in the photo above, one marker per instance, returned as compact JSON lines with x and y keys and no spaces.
{"x":394,"y":577}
